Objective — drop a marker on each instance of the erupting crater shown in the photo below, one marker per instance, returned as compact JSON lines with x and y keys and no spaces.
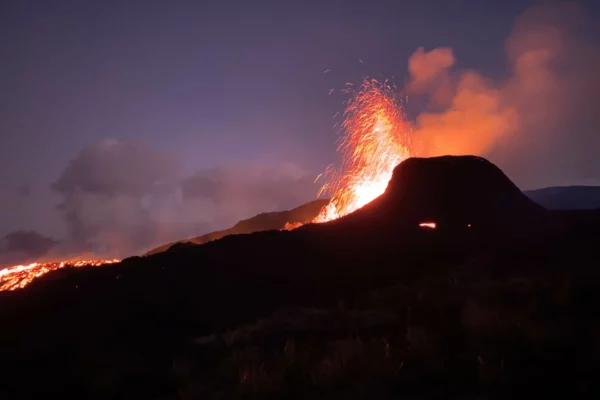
{"x":376,"y":139}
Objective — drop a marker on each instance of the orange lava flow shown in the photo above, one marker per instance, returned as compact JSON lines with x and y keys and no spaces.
{"x":430,"y":225}
{"x":376,"y":139}
{"x":19,"y":276}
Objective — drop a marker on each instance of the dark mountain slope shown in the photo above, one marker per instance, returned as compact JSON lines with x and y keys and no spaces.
{"x":261,"y":222}
{"x":498,"y":308}
{"x":567,"y":197}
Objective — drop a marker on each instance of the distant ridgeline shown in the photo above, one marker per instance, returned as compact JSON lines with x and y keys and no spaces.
{"x":261,"y":222}
{"x":567,"y":197}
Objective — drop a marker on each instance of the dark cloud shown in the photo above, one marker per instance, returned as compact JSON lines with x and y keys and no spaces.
{"x":28,"y":242}
{"x":25,"y":246}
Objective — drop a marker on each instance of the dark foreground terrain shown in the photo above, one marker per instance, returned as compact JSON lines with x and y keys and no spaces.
{"x":499,"y":301}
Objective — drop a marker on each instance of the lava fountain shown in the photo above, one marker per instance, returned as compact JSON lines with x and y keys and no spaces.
{"x":376,"y":139}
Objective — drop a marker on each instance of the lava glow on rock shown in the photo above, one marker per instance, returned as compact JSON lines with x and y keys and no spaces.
{"x":19,"y":276}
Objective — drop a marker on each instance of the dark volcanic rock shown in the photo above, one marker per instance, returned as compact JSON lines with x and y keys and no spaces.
{"x":459,"y":190}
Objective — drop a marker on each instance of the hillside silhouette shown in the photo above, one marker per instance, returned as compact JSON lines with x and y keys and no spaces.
{"x":261,"y":222}
{"x":498,"y":300}
{"x":567,"y":197}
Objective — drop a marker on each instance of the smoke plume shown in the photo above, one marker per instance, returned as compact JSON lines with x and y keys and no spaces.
{"x":541,"y":124}
{"x":24,"y":246}
{"x":122,"y":198}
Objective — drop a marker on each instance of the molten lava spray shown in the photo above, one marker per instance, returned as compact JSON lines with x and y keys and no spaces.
{"x":376,"y":139}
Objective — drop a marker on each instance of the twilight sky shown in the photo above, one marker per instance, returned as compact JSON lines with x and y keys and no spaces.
{"x":125,"y":124}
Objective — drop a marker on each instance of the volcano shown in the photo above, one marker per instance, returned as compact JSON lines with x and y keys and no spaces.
{"x":498,"y":298}
{"x":455,"y":192}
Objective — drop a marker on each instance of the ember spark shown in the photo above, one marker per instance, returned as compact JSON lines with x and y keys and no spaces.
{"x":376,"y":139}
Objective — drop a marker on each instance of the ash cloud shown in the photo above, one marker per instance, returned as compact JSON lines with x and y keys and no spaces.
{"x":541,"y":124}
{"x":106,"y":190}
{"x":122,"y":198}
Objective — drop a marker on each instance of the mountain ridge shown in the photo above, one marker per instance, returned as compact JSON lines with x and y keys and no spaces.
{"x":575,"y":197}
{"x":260,"y":222}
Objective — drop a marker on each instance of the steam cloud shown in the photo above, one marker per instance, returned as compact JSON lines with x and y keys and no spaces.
{"x":541,"y":124}
{"x":107,"y":193}
{"x":122,"y":198}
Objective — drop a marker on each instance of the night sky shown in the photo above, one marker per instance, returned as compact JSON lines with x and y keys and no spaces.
{"x":125,"y":124}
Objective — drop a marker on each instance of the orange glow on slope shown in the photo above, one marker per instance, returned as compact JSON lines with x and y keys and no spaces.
{"x":430,"y":225}
{"x":19,"y":276}
{"x":376,"y":140}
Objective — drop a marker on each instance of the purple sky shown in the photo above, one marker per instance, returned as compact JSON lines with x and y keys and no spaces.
{"x":233,"y":85}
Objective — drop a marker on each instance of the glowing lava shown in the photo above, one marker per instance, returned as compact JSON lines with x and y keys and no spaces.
{"x":376,"y":139}
{"x":429,"y":225}
{"x":19,"y":276}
